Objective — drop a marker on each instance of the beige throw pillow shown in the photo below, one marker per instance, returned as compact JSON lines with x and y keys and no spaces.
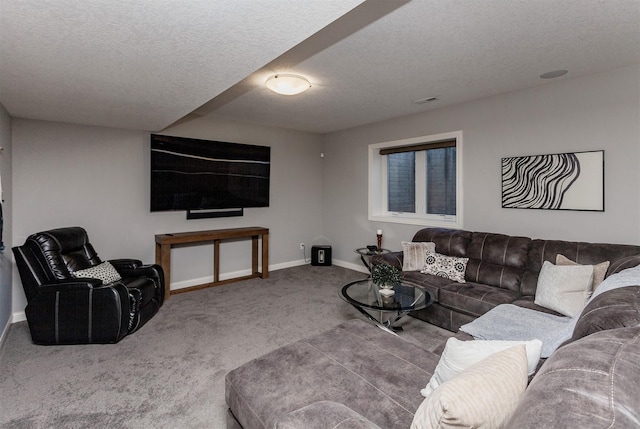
{"x":564,"y":288}
{"x":599,"y":270}
{"x":484,"y":395}
{"x":414,"y":254}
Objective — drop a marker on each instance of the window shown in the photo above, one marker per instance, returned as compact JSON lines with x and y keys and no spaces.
{"x":417,"y":181}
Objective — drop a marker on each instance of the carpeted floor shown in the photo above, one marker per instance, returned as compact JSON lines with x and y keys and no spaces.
{"x":170,"y":374}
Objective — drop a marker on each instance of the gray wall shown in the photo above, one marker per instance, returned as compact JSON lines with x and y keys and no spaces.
{"x":590,"y":113}
{"x":5,"y":257}
{"x":67,"y":174}
{"x":98,"y":178}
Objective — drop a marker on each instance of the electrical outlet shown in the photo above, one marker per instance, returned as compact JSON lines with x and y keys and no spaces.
{"x":301,"y":246}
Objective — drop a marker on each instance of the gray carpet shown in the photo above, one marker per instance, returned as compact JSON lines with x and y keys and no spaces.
{"x":170,"y":374}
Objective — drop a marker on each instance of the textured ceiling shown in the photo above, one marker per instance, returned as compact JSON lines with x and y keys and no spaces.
{"x":141,"y":64}
{"x":145,"y":65}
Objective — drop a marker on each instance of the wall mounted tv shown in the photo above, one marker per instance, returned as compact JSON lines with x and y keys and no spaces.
{"x":191,"y":174}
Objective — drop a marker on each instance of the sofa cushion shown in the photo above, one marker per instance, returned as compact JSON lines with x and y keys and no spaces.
{"x":528,"y":302}
{"x":374,"y":373}
{"x":322,"y":415}
{"x":564,"y":288}
{"x":594,"y":383}
{"x":474,"y":298}
{"x":482,"y":396}
{"x":452,"y":242}
{"x":497,"y":260}
{"x":429,"y":282}
{"x":617,"y":308}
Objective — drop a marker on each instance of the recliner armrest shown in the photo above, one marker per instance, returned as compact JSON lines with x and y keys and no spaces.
{"x":151,"y":271}
{"x":70,"y":284}
{"x":125,"y":263}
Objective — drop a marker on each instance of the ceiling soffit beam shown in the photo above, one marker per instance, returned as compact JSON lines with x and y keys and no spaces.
{"x":354,"y":20}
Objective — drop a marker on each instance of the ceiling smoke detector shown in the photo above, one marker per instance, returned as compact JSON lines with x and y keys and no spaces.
{"x":553,"y":74}
{"x":426,"y":100}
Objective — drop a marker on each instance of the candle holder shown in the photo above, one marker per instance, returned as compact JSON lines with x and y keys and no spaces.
{"x":379,"y":235}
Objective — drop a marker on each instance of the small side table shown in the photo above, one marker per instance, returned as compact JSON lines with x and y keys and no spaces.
{"x":363,"y":251}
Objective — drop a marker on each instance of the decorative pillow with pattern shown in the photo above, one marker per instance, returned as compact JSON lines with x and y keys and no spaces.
{"x":450,"y":267}
{"x":104,"y":271}
{"x":414,"y":254}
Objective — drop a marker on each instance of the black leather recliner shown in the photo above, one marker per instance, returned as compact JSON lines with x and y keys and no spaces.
{"x":65,"y":309}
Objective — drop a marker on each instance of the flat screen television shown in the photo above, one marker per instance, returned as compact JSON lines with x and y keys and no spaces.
{"x":191,"y":174}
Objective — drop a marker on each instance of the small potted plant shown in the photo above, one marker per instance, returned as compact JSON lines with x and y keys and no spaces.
{"x":386,"y":276}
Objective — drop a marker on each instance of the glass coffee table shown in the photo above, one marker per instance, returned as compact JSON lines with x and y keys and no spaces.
{"x":365,"y":297}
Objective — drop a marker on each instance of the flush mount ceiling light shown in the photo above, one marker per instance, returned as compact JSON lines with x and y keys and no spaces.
{"x":553,"y":74}
{"x":287,"y":84}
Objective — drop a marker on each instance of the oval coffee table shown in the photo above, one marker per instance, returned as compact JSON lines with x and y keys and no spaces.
{"x":365,"y":297}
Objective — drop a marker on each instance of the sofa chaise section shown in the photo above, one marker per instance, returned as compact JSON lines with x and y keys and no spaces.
{"x":356,"y":376}
{"x":367,"y":370}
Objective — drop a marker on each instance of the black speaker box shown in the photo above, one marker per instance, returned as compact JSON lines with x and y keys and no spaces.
{"x":321,"y":255}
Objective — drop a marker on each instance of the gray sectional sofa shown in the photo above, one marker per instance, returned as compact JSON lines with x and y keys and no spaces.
{"x":501,"y":269}
{"x":358,"y":376}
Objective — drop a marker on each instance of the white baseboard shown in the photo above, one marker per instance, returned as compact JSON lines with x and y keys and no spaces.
{"x":351,"y":266}
{"x":4,"y":331}
{"x":20,"y":316}
{"x":224,"y":276}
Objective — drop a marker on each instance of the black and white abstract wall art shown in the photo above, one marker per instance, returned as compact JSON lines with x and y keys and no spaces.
{"x":563,"y":181}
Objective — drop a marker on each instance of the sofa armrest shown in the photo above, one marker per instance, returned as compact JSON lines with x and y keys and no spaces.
{"x":622,"y":264}
{"x":324,"y":414}
{"x":392,"y":258}
{"x":69,"y":285}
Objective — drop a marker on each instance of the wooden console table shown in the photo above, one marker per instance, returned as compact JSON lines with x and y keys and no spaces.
{"x":164,"y":242}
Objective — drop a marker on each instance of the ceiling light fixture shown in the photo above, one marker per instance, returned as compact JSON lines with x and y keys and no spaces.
{"x":287,"y":84}
{"x":553,"y":74}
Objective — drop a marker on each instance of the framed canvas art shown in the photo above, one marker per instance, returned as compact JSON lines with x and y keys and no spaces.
{"x":562,"y":181}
